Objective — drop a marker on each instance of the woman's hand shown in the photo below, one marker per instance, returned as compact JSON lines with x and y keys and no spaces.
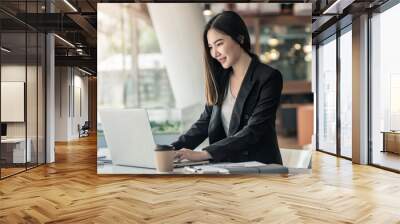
{"x":192,"y":155}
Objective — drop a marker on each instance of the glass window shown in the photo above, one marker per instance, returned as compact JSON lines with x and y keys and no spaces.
{"x":346,"y":93}
{"x":385,"y":84}
{"x":327,"y":96}
{"x":131,"y":71}
{"x":14,"y":148}
{"x":135,"y":56}
{"x":22,"y":92}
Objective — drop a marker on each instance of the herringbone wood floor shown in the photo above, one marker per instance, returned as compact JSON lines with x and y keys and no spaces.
{"x":70,"y":191}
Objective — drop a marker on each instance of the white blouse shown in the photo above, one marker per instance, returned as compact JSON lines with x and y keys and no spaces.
{"x":227,"y":108}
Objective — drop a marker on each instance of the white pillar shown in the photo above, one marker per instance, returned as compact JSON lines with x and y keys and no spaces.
{"x":179,"y":29}
{"x":360,"y":90}
{"x":50,"y":99}
{"x":314,"y":91}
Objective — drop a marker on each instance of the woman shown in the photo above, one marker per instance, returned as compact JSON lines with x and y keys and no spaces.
{"x":242,"y":98}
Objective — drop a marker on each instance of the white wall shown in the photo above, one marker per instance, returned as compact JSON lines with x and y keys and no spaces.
{"x":12,"y":73}
{"x":61,"y":103}
{"x":33,"y":126}
{"x":79,"y":117}
{"x":69,"y":82}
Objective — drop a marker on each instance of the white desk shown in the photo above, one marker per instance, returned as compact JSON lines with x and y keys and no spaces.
{"x":18,"y":149}
{"x":109,"y":168}
{"x":117,"y":169}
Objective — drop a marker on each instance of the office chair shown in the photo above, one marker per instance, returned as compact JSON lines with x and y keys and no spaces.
{"x":84,"y":130}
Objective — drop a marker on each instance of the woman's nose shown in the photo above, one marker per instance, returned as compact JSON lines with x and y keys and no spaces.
{"x":215,"y":53}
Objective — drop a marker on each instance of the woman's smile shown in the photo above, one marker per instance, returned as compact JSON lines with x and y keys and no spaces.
{"x":222,"y":60}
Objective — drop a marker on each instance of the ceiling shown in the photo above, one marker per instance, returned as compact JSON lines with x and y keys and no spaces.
{"x":332,"y":15}
{"x":77,"y":25}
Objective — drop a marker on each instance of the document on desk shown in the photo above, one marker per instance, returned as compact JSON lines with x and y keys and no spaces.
{"x":242,"y":164}
{"x":205,"y":169}
{"x":252,"y":167}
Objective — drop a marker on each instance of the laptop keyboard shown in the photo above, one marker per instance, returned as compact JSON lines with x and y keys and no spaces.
{"x":178,"y":164}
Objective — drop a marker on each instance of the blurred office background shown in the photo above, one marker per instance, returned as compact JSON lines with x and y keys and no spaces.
{"x":150,"y":56}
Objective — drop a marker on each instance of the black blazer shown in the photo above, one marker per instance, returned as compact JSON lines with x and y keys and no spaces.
{"x":251,"y":135}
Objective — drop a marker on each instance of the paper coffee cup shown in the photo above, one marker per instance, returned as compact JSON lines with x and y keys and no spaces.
{"x":164,"y":158}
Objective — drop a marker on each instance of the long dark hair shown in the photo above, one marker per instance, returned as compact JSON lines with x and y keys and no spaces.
{"x":229,"y":23}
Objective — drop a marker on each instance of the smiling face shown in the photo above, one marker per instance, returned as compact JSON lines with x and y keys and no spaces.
{"x":223,"y":48}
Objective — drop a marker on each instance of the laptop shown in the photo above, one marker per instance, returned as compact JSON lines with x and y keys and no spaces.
{"x":130,"y":140}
